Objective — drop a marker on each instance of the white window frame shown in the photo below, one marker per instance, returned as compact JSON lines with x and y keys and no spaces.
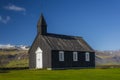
{"x":87,"y":56}
{"x":61,"y":55}
{"x":75,"y":56}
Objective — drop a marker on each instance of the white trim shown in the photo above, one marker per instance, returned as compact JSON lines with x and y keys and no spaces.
{"x":61,"y":55}
{"x":39,"y":58}
{"x":75,"y":56}
{"x":87,"y":56}
{"x":38,"y":50}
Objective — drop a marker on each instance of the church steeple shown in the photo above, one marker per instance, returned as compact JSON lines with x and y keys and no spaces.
{"x":42,"y":26}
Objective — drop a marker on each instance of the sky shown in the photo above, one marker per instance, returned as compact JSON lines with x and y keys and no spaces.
{"x":97,"y":21}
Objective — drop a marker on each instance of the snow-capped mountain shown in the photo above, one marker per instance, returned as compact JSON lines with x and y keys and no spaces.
{"x":108,"y":57}
{"x":23,"y":47}
{"x":7,"y":46}
{"x":18,"y":47}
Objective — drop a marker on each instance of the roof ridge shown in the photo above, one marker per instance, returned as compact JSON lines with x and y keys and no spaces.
{"x":64,"y":35}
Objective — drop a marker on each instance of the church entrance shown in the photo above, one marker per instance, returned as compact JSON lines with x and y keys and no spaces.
{"x":39,"y":59}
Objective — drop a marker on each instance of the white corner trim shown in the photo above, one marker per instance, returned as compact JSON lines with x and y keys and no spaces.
{"x":38,"y":50}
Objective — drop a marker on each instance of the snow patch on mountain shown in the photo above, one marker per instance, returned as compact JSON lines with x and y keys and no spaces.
{"x":9,"y":46}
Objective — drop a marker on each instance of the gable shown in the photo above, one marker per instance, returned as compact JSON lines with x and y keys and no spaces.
{"x":39,"y":42}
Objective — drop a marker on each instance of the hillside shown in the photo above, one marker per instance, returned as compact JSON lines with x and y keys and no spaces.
{"x":108,"y":57}
{"x":19,"y":57}
{"x":13,"y":58}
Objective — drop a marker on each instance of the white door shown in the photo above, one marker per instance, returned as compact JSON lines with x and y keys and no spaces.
{"x":39,"y":60}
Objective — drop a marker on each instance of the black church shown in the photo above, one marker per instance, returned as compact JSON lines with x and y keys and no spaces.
{"x":56,"y":51}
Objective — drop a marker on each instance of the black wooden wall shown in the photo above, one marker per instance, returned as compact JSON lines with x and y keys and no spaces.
{"x":68,"y":60}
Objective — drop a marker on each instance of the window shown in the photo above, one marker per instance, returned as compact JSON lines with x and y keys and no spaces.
{"x":75,"y":56}
{"x":61,"y":56}
{"x":87,"y":56}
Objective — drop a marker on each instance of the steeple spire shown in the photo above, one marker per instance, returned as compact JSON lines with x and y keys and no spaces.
{"x":42,"y":26}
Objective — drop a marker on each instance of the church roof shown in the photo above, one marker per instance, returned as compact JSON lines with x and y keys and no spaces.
{"x":57,"y":41}
{"x":66,"y":43}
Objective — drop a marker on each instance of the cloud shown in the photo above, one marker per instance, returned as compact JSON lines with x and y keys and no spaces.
{"x":14,"y":8}
{"x":5,"y":20}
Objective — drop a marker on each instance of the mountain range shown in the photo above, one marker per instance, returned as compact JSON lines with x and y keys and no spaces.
{"x":108,"y":57}
{"x":10,"y":47}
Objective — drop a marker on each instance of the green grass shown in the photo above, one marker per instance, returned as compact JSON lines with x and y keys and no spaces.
{"x":18,"y":63}
{"x":12,"y":52}
{"x":80,"y":74}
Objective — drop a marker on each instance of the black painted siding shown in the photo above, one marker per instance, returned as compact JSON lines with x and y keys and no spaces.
{"x":68,"y":60}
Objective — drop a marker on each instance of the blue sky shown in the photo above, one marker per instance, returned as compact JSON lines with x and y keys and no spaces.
{"x":97,"y":21}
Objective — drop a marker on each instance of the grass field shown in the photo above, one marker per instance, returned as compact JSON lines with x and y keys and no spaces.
{"x":80,"y":74}
{"x":18,"y":63}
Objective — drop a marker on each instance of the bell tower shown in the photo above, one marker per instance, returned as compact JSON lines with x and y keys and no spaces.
{"x":42,"y":26}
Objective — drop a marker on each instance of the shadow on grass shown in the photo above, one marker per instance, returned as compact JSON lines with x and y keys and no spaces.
{"x":4,"y":71}
{"x":7,"y":70}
